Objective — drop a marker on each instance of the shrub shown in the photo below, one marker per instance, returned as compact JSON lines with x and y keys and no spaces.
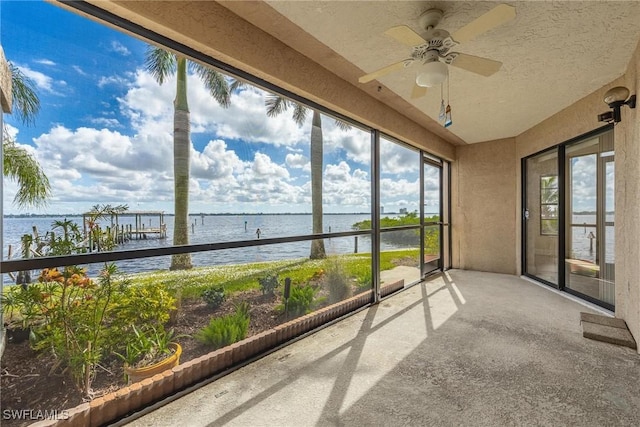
{"x":147,"y":346}
{"x":268,"y":284}
{"x":301,"y":300}
{"x":148,"y":304}
{"x":337,"y":282}
{"x":364,"y":282}
{"x":225,"y":330}
{"x":214,"y":295}
{"x":76,"y":314}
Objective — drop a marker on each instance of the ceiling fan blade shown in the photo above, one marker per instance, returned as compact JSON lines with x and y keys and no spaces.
{"x":405,"y":35}
{"x":384,"y":71}
{"x":475,"y":64}
{"x":495,"y":17}
{"x":418,"y":91}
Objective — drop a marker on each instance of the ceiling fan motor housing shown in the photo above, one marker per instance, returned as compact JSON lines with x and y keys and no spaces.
{"x":438,"y":41}
{"x":430,"y":19}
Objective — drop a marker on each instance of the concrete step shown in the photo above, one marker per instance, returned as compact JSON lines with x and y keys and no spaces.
{"x":606,"y":329}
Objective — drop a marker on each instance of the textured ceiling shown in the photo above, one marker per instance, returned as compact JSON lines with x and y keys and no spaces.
{"x":553,"y":54}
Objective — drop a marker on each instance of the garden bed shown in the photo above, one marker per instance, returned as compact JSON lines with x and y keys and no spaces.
{"x":34,"y":381}
{"x":28,"y":383}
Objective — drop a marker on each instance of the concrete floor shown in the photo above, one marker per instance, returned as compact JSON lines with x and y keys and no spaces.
{"x":464,"y":348}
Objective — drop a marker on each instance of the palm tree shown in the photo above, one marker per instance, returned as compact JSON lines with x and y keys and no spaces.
{"x":17,"y":163}
{"x":162,"y":64}
{"x":276,"y":105}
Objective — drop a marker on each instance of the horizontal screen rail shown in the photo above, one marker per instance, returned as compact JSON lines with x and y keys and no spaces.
{"x":65,"y":260}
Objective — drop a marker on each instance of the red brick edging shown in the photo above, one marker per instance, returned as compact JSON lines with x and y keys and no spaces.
{"x":136,"y":396}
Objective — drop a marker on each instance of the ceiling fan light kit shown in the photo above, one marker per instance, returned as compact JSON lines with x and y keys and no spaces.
{"x":434,"y":49}
{"x":433,"y":73}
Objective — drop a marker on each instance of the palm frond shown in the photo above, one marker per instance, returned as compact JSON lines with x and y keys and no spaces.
{"x":216,"y":84}
{"x":299,"y":113}
{"x":276,"y":105}
{"x":33,"y":185}
{"x":238,"y":84}
{"x":342,"y":125}
{"x":25,"y":99}
{"x":160,"y":63}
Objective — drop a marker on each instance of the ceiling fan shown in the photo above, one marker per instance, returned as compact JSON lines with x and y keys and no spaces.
{"x":434,"y":50}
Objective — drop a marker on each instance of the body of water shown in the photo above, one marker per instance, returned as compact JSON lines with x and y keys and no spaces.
{"x":214,"y":229}
{"x":583,"y":232}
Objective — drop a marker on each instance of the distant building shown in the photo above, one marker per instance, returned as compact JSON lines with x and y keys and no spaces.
{"x":381,"y":209}
{"x":403,"y":211}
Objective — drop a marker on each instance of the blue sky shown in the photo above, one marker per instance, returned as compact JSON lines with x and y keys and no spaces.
{"x":104,"y":132}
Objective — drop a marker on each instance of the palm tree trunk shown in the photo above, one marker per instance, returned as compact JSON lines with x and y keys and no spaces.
{"x":181,"y":167}
{"x":317,"y":246}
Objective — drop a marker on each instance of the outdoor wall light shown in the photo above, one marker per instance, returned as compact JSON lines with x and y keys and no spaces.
{"x":615,"y":98}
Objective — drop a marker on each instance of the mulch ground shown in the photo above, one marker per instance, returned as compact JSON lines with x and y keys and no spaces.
{"x":31,"y":380}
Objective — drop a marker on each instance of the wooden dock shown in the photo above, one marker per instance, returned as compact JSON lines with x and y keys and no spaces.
{"x":138,"y":231}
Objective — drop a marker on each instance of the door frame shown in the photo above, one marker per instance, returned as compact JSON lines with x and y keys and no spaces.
{"x":562,"y":214}
{"x":443,"y":261}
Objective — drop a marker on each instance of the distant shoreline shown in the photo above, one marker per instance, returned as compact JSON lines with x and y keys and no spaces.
{"x":192,"y":214}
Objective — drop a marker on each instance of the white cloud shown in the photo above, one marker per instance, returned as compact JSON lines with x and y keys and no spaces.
{"x":79,"y":70}
{"x":89,"y":165}
{"x":103,"y":121}
{"x":297,"y":161}
{"x":397,"y":159}
{"x":245,"y":119}
{"x":215,"y":162}
{"x":12,"y":131}
{"x":45,"y":62}
{"x":119,"y":48}
{"x":355,"y":142}
{"x":111,"y":80}
{"x":42,"y":81}
{"x":342,"y":188}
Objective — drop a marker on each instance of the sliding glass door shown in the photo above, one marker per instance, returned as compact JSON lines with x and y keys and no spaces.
{"x":569,"y":217}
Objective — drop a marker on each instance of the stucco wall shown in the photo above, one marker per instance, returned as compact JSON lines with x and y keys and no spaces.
{"x":484,"y":204}
{"x":214,"y":30}
{"x":5,"y":83}
{"x":581,"y":118}
{"x":627,"y":190}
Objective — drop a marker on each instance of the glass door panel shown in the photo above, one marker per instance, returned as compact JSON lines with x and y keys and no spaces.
{"x":541,"y":212}
{"x":399,"y":211}
{"x":589,"y":258}
{"x":432,"y":221}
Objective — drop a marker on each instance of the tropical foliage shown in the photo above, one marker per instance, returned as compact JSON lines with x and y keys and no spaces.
{"x":163,"y":64}
{"x":276,"y":105}
{"x":18,"y":163}
{"x":225,"y":330}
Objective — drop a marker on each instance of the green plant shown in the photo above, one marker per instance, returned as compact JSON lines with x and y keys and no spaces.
{"x":147,"y":346}
{"x":364,"y":281}
{"x":268,"y":284}
{"x":76,"y":314}
{"x":225,"y":330}
{"x":19,"y":305}
{"x":337,"y":282}
{"x":214,"y":295}
{"x":301,"y":300}
{"x":148,"y":304}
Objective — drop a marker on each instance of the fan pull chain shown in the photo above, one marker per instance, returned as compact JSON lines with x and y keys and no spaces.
{"x":441,"y":117}
{"x":447,"y":121}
